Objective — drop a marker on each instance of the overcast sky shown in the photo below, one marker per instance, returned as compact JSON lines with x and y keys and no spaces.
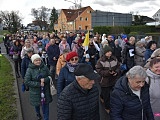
{"x":142,"y":7}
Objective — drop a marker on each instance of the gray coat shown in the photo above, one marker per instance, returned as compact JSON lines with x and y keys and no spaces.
{"x":139,"y":56}
{"x":154,"y":91}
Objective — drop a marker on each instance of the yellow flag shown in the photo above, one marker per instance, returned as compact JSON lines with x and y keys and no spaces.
{"x":86,"y":40}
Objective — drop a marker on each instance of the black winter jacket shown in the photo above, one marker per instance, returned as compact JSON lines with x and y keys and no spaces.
{"x":127,"y":58}
{"x":125,"y":105}
{"x":75,"y":103}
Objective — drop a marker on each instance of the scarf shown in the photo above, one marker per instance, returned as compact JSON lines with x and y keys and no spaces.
{"x":71,"y":67}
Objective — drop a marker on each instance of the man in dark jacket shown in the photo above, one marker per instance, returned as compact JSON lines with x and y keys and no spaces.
{"x":53,"y":53}
{"x":128,"y":53}
{"x":80,"y":99}
{"x":130,"y":98}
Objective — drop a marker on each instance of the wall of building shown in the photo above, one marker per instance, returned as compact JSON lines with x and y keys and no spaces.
{"x":100,"y":18}
{"x":156,"y":16}
{"x":83,"y":21}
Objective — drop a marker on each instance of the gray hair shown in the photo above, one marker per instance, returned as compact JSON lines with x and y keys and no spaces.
{"x":136,"y":71}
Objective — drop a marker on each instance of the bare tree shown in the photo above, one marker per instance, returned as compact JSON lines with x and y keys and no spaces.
{"x":11,"y":20}
{"x":41,"y":16}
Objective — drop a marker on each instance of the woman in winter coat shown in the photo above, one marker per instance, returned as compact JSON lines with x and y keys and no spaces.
{"x":63,"y":45}
{"x":153,"y":80}
{"x":130,"y":98}
{"x":108,"y":68}
{"x":66,"y":75}
{"x":15,"y":51}
{"x":38,"y":80}
{"x":25,"y":47}
{"x":139,"y":56}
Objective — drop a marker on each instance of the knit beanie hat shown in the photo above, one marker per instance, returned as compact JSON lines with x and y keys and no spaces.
{"x":70,"y":55}
{"x":35,"y":56}
{"x":107,"y":49}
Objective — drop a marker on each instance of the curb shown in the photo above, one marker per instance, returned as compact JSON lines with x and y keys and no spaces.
{"x":17,"y":96}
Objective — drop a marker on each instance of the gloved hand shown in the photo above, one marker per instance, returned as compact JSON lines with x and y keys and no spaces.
{"x":39,"y":77}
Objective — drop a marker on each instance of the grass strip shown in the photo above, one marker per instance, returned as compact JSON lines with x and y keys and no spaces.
{"x":8,"y":109}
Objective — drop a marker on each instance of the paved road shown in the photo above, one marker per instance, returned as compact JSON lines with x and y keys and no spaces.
{"x":28,"y":110}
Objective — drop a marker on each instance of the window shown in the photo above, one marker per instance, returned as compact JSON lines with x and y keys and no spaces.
{"x":86,"y":19}
{"x":80,"y":27}
{"x":81,"y":18}
{"x":88,"y":11}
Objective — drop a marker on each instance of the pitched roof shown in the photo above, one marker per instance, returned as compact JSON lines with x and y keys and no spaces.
{"x":156,"y":13}
{"x":73,"y":14}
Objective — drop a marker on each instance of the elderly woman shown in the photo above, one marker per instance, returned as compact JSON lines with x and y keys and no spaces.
{"x":38,"y":81}
{"x":25,"y":47}
{"x":130,"y":98}
{"x":139,"y":56}
{"x":153,"y":80}
{"x":66,"y":75}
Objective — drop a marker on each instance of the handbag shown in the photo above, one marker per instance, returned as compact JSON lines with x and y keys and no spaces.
{"x":52,"y":87}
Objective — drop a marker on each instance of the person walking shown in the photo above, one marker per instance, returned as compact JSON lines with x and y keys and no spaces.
{"x":38,"y":81}
{"x":128,"y":54}
{"x":108,"y":68}
{"x":66,"y":75}
{"x":153,"y":80}
{"x":130,"y":98}
{"x":139,"y":56}
{"x":53,"y":53}
{"x":15,"y":51}
{"x":80,"y":99}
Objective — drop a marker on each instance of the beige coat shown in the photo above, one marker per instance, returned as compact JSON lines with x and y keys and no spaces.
{"x":60,"y":63}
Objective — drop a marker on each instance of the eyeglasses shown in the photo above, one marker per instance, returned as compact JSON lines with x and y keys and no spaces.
{"x":74,"y":59}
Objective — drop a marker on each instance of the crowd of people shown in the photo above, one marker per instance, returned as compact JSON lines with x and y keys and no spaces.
{"x":120,"y":74}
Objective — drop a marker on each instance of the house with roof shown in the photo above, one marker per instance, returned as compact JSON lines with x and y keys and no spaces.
{"x":72,"y":20}
{"x":156,"y":16}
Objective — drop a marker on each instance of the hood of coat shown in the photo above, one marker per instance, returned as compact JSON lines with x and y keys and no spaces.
{"x":122,"y":85}
{"x":152,"y":75}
